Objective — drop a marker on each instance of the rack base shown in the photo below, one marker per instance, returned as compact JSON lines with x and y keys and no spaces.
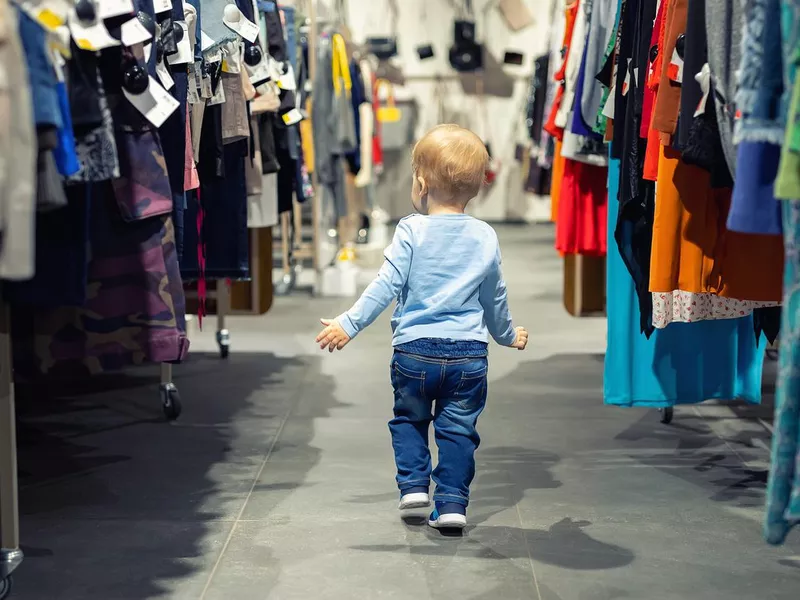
{"x":9,"y":560}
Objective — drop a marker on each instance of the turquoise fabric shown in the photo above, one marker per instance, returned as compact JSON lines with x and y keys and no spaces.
{"x":686,"y":363}
{"x":783,"y":491}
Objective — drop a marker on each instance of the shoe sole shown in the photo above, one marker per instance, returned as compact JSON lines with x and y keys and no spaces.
{"x":449,"y":522}
{"x":415,"y":501}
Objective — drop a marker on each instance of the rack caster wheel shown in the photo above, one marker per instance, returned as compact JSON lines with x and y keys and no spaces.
{"x":224,"y":342}
{"x":666,"y":415}
{"x":170,"y":402}
{"x":5,"y":587}
{"x":772,"y":353}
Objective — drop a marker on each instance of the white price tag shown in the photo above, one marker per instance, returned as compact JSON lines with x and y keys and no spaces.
{"x":218,"y":97}
{"x":184,"y":54}
{"x":259,"y":73}
{"x":610,"y":105}
{"x":164,"y":75}
{"x":155,"y":103}
{"x":205,"y":87}
{"x":49,"y":17}
{"x":114,"y":8}
{"x":704,"y":79}
{"x":627,"y":83}
{"x":162,"y":6}
{"x":293,"y":117}
{"x":91,"y":37}
{"x":133,"y":32}
{"x":239,"y":24}
{"x":287,"y":81}
{"x":193,"y":93}
{"x":205,"y":41}
{"x":675,"y":68}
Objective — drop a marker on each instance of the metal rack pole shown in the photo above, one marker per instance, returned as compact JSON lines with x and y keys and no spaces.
{"x":10,"y":553}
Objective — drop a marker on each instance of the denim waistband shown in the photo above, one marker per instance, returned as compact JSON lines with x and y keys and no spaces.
{"x":442,"y":348}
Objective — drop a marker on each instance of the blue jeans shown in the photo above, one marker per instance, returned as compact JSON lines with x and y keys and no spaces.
{"x":451,"y":393}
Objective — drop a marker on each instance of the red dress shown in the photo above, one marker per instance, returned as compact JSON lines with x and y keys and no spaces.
{"x":581,"y":227}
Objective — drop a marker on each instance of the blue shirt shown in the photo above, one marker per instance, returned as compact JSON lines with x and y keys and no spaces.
{"x":444,"y":272}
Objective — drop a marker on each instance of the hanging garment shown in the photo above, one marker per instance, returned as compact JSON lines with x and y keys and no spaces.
{"x":601,"y":31}
{"x":634,"y":231}
{"x":690,"y":307}
{"x":555,"y":182}
{"x":62,"y":256}
{"x":724,"y":33}
{"x":17,"y":154}
{"x":574,"y":60}
{"x":783,"y":489}
{"x":667,"y":104}
{"x":691,"y":249}
{"x":213,"y":26}
{"x":135,"y":306}
{"x":682,"y":364}
{"x":554,"y":125}
{"x":695,"y":55}
{"x":582,"y":210}
{"x":754,"y":208}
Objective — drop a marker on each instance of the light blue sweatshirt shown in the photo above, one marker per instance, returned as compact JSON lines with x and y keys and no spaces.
{"x":444,"y":272}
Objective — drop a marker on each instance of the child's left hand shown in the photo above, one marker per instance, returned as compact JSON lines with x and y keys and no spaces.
{"x":333,"y":336}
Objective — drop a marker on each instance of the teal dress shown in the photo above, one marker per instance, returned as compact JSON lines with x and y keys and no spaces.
{"x":686,"y":363}
{"x":783,"y":491}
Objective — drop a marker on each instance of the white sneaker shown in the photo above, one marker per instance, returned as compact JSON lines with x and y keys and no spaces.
{"x":447,"y":521}
{"x":416,"y":500}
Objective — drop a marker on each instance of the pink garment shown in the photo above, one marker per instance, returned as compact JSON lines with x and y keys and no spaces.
{"x":191,"y":180}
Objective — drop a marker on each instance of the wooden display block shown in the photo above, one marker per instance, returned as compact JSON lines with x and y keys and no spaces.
{"x":584,"y":285}
{"x":252,"y":297}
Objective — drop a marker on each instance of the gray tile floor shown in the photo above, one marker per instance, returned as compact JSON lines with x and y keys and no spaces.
{"x":277,"y":482}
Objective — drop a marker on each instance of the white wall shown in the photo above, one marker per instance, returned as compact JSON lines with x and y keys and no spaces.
{"x":496,"y":119}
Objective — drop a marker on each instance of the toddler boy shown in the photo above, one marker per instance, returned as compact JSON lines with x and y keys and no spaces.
{"x":443,"y":268}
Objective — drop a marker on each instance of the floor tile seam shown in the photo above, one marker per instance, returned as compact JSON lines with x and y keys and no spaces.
{"x":290,"y":409}
{"x":528,"y":551}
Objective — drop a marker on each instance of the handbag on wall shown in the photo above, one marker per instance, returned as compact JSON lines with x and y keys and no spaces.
{"x":387,"y":111}
{"x":516,"y":13}
{"x":383,"y":48}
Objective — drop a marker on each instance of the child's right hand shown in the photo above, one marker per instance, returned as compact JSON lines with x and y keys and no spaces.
{"x":333,"y":336}
{"x":522,"y":338}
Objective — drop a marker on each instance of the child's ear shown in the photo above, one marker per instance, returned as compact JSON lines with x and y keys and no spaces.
{"x":423,"y":187}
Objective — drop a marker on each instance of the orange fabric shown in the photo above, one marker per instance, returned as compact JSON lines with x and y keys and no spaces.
{"x":651,"y":154}
{"x":557,"y":174}
{"x":692,"y":251}
{"x":667,"y":107}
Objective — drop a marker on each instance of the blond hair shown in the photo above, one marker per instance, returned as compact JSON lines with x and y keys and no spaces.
{"x":452,"y":160}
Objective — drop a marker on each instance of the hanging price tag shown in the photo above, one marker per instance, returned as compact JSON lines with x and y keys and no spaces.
{"x":49,"y":17}
{"x":205,"y":87}
{"x":610,"y":105}
{"x":627,"y":83}
{"x":239,"y":24}
{"x":162,"y":6}
{"x":675,"y":68}
{"x":287,"y":81}
{"x":164,"y":75}
{"x":133,"y":32}
{"x":259,"y":73}
{"x":293,"y":117}
{"x":205,"y":41}
{"x":155,"y":103}
{"x":114,"y":8}
{"x":91,"y":37}
{"x":184,"y":54}
{"x":193,"y":94}
{"x":704,"y":79}
{"x":218,"y":97}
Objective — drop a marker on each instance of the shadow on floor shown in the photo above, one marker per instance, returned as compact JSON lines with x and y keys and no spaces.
{"x":118,"y":504}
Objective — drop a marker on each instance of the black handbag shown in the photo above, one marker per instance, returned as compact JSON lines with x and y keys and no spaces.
{"x":383,"y":48}
{"x":466,"y":57}
{"x":425,"y":52}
